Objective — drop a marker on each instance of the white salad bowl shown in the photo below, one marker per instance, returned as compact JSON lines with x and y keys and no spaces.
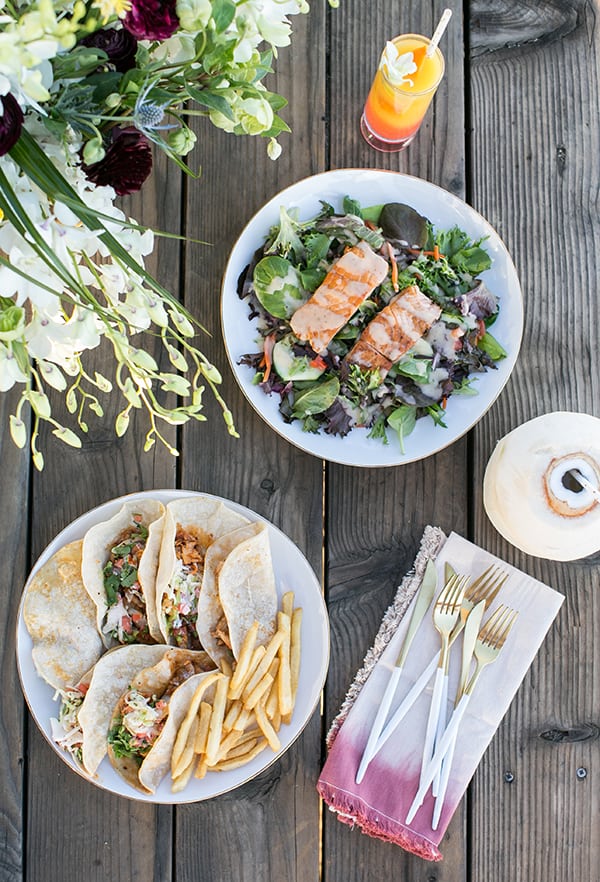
{"x":374,"y":187}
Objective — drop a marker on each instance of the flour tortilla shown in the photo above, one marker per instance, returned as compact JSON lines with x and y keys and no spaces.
{"x":209,"y":519}
{"x":61,"y":620}
{"x":97,"y":545}
{"x":248,"y":588}
{"x":153,"y":681}
{"x":110,"y":677}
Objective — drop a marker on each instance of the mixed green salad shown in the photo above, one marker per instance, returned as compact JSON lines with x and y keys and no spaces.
{"x":324,"y":391}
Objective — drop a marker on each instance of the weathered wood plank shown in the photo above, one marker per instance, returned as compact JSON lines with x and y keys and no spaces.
{"x":13,"y":551}
{"x":535,"y":175}
{"x":80,"y":825}
{"x":270,"y":827}
{"x":376,"y":517}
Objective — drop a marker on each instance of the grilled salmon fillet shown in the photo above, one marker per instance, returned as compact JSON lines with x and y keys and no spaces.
{"x":394,"y":330}
{"x":347,"y":284}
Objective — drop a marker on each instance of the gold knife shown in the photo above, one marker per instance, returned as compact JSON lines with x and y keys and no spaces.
{"x":422,"y":604}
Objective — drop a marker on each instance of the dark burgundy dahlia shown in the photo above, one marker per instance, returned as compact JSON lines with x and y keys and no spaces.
{"x":152,"y":19}
{"x":11,"y":123}
{"x":126,"y":165}
{"x":119,"y":45}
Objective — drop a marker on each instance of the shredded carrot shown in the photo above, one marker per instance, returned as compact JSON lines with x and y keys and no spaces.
{"x":318,"y":362}
{"x":370,"y":225}
{"x":444,"y":402}
{"x":390,"y":252}
{"x":436,"y":253}
{"x":267,"y":359}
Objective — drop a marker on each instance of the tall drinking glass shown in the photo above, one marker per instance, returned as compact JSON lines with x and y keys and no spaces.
{"x":395,"y":109}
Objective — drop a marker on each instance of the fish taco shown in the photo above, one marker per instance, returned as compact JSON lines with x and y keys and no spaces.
{"x":120,"y":558}
{"x":191,"y":526}
{"x":86,"y":709}
{"x":61,"y":619}
{"x":147,"y":716}
{"x":238,"y":589}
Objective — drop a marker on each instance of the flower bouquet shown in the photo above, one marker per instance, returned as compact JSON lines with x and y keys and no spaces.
{"x":87,"y":90}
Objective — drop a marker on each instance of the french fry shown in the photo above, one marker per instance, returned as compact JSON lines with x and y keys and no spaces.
{"x":204,"y":715}
{"x":201,"y":768}
{"x":241,"y":749}
{"x":259,"y":690}
{"x":216,"y":720}
{"x":276,"y":720}
{"x":182,"y":780}
{"x":295,"y":650}
{"x":284,"y":675}
{"x":187,"y":754}
{"x":295,"y":654}
{"x":244,"y":659}
{"x":287,"y":603}
{"x":267,"y":729}
{"x":226,"y":668}
{"x":243,"y":719}
{"x":238,"y":761}
{"x":233,"y":712}
{"x":184,"y":729}
{"x":257,"y":657}
{"x":229,"y":742}
{"x":271,"y":651}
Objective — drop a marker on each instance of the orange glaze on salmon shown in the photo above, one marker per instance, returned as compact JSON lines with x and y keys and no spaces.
{"x":347,"y":284}
{"x":394,"y":330}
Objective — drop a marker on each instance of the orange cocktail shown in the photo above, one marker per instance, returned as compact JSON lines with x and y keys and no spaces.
{"x":401,"y":92}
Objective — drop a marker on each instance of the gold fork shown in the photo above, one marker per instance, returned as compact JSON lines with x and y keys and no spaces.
{"x":485,"y":587}
{"x":490,"y":641}
{"x":446,"y":615}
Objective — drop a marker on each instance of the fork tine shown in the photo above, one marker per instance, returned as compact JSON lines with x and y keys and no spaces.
{"x":487,"y":585}
{"x":495,"y":631}
{"x":501,"y":638}
{"x":453,"y":597}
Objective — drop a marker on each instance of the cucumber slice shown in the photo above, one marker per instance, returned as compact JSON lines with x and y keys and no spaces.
{"x":290,"y":366}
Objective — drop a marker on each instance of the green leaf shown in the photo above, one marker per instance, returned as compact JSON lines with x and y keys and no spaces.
{"x":18,"y":431}
{"x":212,"y":100}
{"x":351,"y":206}
{"x":223,"y":12}
{"x":403,"y":420}
{"x":489,"y":344}
{"x":67,"y":436}
{"x":316,"y":399}
{"x":278,"y":286}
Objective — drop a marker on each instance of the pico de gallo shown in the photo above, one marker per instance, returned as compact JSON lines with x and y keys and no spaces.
{"x":126,"y":618}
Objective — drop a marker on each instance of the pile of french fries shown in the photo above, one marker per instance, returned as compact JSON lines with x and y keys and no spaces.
{"x":249,"y":702}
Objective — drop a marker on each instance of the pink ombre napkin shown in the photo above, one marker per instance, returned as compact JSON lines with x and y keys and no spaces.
{"x":380,"y":803}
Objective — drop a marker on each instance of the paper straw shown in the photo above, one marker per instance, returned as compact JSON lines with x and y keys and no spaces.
{"x":439,"y":32}
{"x":583,"y":482}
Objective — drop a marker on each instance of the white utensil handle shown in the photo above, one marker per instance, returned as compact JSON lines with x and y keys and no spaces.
{"x":432,"y":721}
{"x":380,"y":718}
{"x":408,"y":702}
{"x":444,"y":775}
{"x":436,"y":762}
{"x":441,"y":725}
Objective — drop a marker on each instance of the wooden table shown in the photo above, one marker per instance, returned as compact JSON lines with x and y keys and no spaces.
{"x":514,"y":131}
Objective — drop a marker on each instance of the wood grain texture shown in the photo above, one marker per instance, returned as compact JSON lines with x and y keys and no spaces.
{"x":537,"y":65}
{"x":13,"y":551}
{"x":129,"y":840}
{"x":376,"y":517}
{"x":268,"y":829}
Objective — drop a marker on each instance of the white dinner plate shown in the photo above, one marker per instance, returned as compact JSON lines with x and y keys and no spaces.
{"x":292,"y":572}
{"x":373,"y":187}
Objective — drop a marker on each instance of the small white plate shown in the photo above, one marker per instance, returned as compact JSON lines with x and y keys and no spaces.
{"x":373,"y":187}
{"x":292,"y":572}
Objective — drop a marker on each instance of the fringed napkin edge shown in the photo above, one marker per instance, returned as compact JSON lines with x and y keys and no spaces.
{"x":432,"y":542}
